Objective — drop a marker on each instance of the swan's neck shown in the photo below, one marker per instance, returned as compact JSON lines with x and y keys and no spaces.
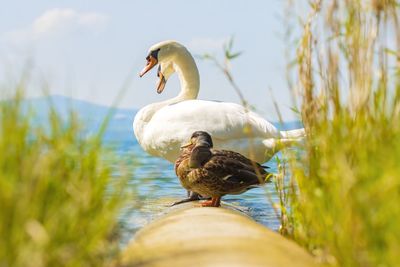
{"x":188,"y":73}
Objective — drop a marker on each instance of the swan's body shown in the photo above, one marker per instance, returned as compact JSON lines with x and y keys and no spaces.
{"x":161,"y":128}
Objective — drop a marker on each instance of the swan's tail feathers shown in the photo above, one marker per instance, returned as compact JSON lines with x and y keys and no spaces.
{"x":272,"y":146}
{"x":293,"y":134}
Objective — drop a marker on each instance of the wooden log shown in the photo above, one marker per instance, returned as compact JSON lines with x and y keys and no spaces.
{"x":200,"y":236}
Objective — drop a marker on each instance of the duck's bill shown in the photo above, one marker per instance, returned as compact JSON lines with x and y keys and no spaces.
{"x":151,"y":62}
{"x":186,"y":145}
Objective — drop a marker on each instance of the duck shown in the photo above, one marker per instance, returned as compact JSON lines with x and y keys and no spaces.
{"x":215,"y":173}
{"x":162,"y":127}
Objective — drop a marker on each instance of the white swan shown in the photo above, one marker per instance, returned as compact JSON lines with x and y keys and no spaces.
{"x":161,"y":128}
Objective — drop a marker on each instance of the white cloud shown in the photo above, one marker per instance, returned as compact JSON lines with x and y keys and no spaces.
{"x":59,"y":22}
{"x":207,"y":44}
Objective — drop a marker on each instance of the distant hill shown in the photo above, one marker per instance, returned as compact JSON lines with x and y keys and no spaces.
{"x":92,"y":115}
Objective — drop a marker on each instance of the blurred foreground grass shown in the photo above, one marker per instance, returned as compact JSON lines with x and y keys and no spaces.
{"x":59,"y":204}
{"x":343,"y":200}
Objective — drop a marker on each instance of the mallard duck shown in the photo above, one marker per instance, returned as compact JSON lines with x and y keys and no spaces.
{"x":215,"y":173}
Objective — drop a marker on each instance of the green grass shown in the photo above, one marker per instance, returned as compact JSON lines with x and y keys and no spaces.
{"x":59,"y":204}
{"x":343,"y":199}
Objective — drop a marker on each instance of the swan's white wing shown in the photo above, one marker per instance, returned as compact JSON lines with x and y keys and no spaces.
{"x":173,"y":125}
{"x":222,"y":120}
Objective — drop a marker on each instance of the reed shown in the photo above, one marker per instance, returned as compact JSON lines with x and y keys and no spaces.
{"x":342,"y":201}
{"x":59,"y":202}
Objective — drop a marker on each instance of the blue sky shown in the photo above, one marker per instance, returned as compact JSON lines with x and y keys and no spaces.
{"x":87,"y":49}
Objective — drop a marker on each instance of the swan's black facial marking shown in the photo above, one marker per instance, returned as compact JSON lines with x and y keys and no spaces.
{"x":202,"y":138}
{"x":153,"y":54}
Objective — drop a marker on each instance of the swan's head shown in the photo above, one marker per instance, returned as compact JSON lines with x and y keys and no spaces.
{"x":199,"y":138}
{"x":163,"y":54}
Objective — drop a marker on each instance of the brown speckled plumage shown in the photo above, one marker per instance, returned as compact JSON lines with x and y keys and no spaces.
{"x":214,"y":173}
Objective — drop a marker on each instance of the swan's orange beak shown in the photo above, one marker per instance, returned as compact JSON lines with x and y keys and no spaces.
{"x":151,"y":62}
{"x":161,"y":82}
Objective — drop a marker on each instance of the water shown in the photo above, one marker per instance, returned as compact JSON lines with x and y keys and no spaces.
{"x":157,"y":187}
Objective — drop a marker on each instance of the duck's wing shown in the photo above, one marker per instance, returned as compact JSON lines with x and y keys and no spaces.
{"x":234,"y":172}
{"x":239,"y":157}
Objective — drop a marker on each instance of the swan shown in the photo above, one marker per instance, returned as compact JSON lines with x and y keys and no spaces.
{"x":161,"y":128}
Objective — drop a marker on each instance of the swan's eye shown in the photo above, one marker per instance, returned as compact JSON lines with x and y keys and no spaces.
{"x":154,"y":54}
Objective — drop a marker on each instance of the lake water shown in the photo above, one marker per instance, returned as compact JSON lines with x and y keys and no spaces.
{"x":157,"y":186}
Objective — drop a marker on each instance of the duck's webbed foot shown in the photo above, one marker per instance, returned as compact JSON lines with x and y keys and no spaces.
{"x":214,"y":202}
{"x":192,"y":197}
